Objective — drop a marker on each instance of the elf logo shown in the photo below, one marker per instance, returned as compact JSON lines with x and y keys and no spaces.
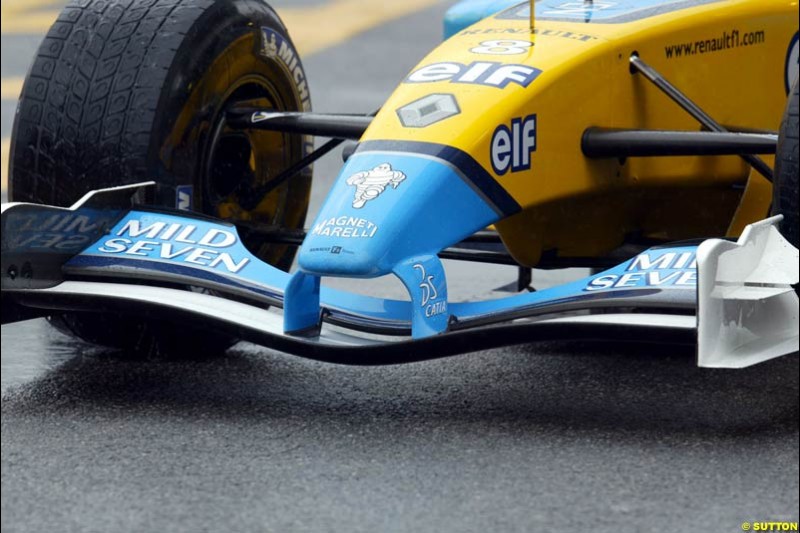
{"x":512,"y":147}
{"x":488,"y":73}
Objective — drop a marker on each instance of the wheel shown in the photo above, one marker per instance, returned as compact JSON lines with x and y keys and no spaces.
{"x":784,"y":187}
{"x":123,"y":91}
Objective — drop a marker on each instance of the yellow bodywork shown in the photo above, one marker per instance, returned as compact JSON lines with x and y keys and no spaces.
{"x":577,"y":207}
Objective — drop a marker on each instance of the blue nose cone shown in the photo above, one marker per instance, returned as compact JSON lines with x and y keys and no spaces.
{"x":389,"y":205}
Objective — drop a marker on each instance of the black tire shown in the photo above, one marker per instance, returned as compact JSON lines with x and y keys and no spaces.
{"x":124,"y":91}
{"x":785,"y":186}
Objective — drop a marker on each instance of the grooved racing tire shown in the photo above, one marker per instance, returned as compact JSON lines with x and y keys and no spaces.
{"x":785,"y":186}
{"x":124,"y":91}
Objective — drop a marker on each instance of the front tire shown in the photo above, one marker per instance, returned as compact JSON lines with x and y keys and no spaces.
{"x":785,"y":181}
{"x":125,"y":91}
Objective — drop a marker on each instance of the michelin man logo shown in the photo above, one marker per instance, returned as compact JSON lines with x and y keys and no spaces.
{"x":269,"y":43}
{"x":371,"y":183}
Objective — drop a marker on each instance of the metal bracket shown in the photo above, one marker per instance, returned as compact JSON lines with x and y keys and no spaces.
{"x":652,"y":75}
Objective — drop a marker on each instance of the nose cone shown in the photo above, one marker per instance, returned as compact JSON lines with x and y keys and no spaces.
{"x":388,"y":205}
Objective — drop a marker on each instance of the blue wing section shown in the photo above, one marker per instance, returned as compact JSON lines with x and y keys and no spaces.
{"x":183,"y":250}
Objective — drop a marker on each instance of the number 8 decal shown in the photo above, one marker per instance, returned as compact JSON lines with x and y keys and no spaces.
{"x":502,"y":47}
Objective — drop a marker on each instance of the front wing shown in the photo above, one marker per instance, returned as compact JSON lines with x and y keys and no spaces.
{"x":735,"y":300}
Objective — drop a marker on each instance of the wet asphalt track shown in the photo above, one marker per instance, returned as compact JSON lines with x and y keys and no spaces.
{"x":549,"y":437}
